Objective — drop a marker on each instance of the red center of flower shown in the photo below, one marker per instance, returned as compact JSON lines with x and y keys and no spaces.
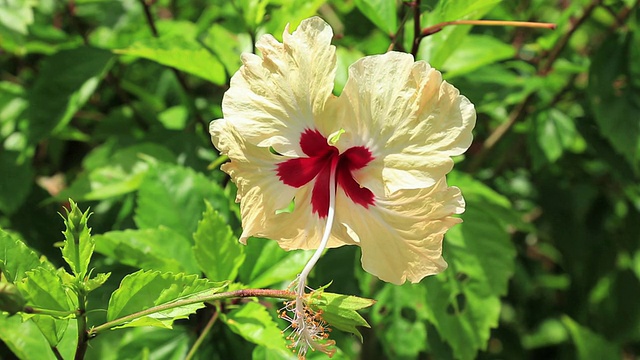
{"x":321,"y":157}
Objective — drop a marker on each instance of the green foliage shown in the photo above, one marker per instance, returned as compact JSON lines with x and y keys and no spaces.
{"x":217,"y":250}
{"x":254,"y":323}
{"x":108,"y":103}
{"x":145,"y":289}
{"x":341,"y":311}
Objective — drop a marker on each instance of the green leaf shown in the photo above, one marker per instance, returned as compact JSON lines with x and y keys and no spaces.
{"x":149,"y":249}
{"x":65,"y":82}
{"x":217,"y":250}
{"x":16,"y":258}
{"x":43,"y":289}
{"x":183,"y":53}
{"x":267,"y":264}
{"x":476,"y":51}
{"x":463,"y":303}
{"x":78,"y":245}
{"x":253,"y":322}
{"x":114,"y":172}
{"x":14,"y":189}
{"x":400,"y":310}
{"x":143,"y":343}
{"x":145,"y":289}
{"x":615,"y":94}
{"x":340,"y":311}
{"x":24,"y":339}
{"x":555,"y":132}
{"x":174,"y":196}
{"x":437,"y":49}
{"x":382,"y":13}
{"x":589,"y":344}
{"x":96,"y":281}
{"x":16,"y":15}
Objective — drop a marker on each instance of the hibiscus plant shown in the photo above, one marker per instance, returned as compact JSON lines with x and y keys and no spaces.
{"x":287,"y":187}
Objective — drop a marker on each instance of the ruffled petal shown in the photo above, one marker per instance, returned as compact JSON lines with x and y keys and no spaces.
{"x":253,"y":170}
{"x":411,"y":120}
{"x":401,"y":236}
{"x":274,"y":98}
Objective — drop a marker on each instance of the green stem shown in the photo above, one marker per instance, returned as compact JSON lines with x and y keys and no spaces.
{"x":81,"y":348}
{"x":204,"y":333}
{"x":280,"y":294}
{"x":55,"y":313}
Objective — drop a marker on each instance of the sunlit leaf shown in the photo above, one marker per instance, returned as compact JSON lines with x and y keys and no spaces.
{"x":267,"y":264}
{"x":217,"y":249}
{"x":253,"y":322}
{"x":149,"y":249}
{"x":78,"y":245}
{"x":16,"y":258}
{"x":340,"y":311}
{"x":182,"y":53}
{"x":383,"y":13}
{"x":174,"y":197}
{"x":145,"y":289}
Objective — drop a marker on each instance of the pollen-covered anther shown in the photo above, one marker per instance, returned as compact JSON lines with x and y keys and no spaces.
{"x":308,"y":329}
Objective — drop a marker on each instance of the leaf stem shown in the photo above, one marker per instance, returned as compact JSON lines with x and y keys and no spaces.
{"x":55,"y":313}
{"x":56,"y":352}
{"x":203,"y":334}
{"x":438,"y":27}
{"x":280,"y":294}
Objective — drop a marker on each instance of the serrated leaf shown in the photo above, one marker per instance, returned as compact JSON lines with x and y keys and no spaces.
{"x":589,"y":344}
{"x":217,"y":249}
{"x":267,"y":264}
{"x":16,"y":258}
{"x":96,"y":281}
{"x":182,"y":53}
{"x":149,"y":249}
{"x":174,"y":196}
{"x":145,"y":289}
{"x":382,"y":13}
{"x":253,"y":322}
{"x":78,"y":245}
{"x":463,"y":303}
{"x":15,"y":188}
{"x":43,"y":289}
{"x":65,"y":82}
{"x":340,"y":311}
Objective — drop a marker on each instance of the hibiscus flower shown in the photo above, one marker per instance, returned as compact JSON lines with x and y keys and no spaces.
{"x":366,"y":168}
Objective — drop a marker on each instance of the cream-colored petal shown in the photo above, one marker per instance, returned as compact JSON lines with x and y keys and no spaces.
{"x":253,"y":170}
{"x":401,"y":236}
{"x":274,"y":98}
{"x":410,"y":119}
